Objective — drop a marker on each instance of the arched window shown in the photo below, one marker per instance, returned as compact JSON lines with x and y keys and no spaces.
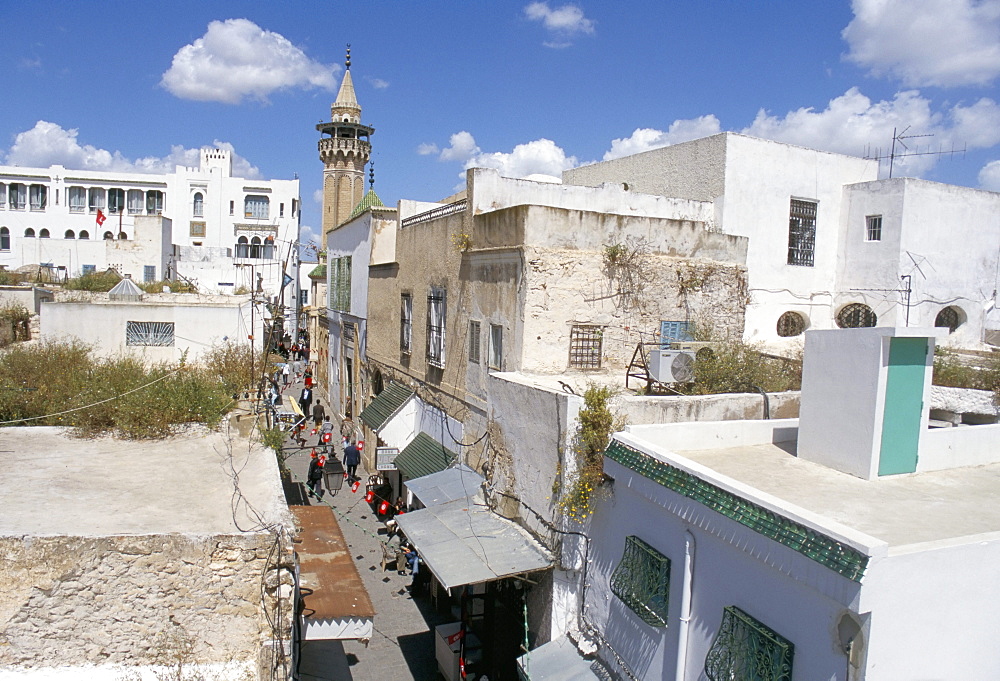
{"x":44,"y":234}
{"x":108,"y":236}
{"x":242,"y":247}
{"x":791,"y":324}
{"x":122,"y":236}
{"x":70,"y":234}
{"x":199,"y":205}
{"x":4,"y":239}
{"x":856,"y":316}
{"x":268,"y":248}
{"x":30,"y":233}
{"x":255,"y":247}
{"x":950,"y":317}
{"x":84,"y":234}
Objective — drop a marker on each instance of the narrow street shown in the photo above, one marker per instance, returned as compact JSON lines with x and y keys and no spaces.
{"x":403,"y":645}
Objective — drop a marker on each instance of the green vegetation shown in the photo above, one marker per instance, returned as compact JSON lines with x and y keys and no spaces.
{"x":950,"y":371}
{"x":64,"y":384}
{"x":733,"y":366}
{"x":175,"y":286}
{"x":15,"y":318}
{"x":93,"y":281}
{"x":596,"y":424}
{"x":8,"y":278}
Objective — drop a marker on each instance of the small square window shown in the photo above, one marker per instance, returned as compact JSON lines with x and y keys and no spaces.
{"x":642,"y":581}
{"x":873,"y":228}
{"x":474,"y":342}
{"x":496,"y":347}
{"x":585,"y":347}
{"x":149,"y":273}
{"x":89,"y":269}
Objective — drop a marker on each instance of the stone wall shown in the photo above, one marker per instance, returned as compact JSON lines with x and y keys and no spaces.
{"x":142,"y":600}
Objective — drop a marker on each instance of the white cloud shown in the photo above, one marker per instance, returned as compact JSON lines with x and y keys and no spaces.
{"x":927,"y":42}
{"x":50,"y":144}
{"x":645,"y":139}
{"x":989,"y":176}
{"x":318,"y":197}
{"x":427,"y":148}
{"x":562,"y":22}
{"x":378,"y":83}
{"x":853,"y":124}
{"x":237,"y":60}
{"x":540,"y":157}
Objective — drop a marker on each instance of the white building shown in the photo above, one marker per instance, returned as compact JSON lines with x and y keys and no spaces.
{"x":223,"y":233}
{"x":829,"y":244}
{"x":852,"y":543}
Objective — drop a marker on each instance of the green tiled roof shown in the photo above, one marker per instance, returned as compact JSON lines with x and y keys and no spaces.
{"x":827,"y":551}
{"x":423,"y":456}
{"x":319,"y":272}
{"x":370,"y":200}
{"x":385,"y":404}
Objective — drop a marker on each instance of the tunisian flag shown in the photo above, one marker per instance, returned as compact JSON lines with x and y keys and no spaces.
{"x":101,"y":217}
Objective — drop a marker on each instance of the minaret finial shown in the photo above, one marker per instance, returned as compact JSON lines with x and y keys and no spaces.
{"x":371,"y":175}
{"x":348,"y":61}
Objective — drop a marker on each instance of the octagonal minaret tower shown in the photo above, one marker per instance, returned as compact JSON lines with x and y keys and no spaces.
{"x":344,"y":150}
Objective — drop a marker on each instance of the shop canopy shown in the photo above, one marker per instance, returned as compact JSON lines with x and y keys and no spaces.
{"x":385,"y":405}
{"x":463,"y":542}
{"x":460,"y":482}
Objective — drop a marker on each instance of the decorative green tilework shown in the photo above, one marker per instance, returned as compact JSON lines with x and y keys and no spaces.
{"x":642,"y":581}
{"x":826,"y":551}
{"x":747,"y":649}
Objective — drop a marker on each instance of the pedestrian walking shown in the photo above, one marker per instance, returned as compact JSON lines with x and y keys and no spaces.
{"x":326,"y":435}
{"x":305,"y":400}
{"x":285,"y":372}
{"x":319,"y":414}
{"x":352,"y":457}
{"x":315,"y":476}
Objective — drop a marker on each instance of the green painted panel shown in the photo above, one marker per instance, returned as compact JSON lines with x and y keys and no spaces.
{"x":904,"y":393}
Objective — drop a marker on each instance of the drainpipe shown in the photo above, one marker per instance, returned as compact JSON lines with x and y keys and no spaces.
{"x":685,"y":619}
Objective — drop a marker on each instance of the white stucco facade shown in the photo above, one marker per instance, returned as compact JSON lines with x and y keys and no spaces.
{"x":217,"y":230}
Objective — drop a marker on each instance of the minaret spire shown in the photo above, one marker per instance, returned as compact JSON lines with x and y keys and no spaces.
{"x":371,"y":175}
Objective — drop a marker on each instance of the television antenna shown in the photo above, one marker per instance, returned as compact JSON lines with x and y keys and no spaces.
{"x":898,"y":140}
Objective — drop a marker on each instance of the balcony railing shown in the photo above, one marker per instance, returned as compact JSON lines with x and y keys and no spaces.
{"x":434,"y":213}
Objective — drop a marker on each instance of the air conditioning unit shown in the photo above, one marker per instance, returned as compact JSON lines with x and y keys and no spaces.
{"x":699,"y":348}
{"x":671,"y":366}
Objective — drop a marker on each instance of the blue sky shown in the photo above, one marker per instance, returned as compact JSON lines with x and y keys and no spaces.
{"x":526,"y":87}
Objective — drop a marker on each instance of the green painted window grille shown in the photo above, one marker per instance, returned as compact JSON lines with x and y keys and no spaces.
{"x":642,"y":581}
{"x":340,"y":283}
{"x":748,"y":650}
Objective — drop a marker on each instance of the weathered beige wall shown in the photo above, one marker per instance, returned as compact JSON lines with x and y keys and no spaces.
{"x":122,"y":599}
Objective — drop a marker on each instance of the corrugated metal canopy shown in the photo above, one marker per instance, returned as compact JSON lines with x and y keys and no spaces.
{"x":465,"y":543}
{"x":423,"y":456}
{"x":385,"y":404}
{"x":460,"y":482}
{"x":126,"y":290}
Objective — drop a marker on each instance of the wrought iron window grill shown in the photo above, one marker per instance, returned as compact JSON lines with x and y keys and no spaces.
{"x":856,"y":316}
{"x":436,"y":327}
{"x":405,"y":322}
{"x":642,"y":581}
{"x":791,"y":324}
{"x":149,"y":333}
{"x":948,"y":317}
{"x":749,"y":650}
{"x":802,"y":233}
{"x":585,"y":347}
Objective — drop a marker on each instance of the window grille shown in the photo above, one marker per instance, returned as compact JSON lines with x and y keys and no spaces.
{"x":134,"y":201}
{"x":116,"y":200}
{"x":474,"y":342}
{"x":149,"y":273}
{"x":791,"y":324}
{"x":197,"y":228}
{"x":496,"y":347}
{"x":89,"y":269}
{"x":256,"y":206}
{"x":873,"y":228}
{"x":801,"y":233}
{"x":435,"y":327}
{"x":340,"y":283}
{"x":585,"y":347}
{"x":149,"y":333}
{"x":745,"y":648}
{"x":856,"y":316}
{"x":948,"y":317}
{"x":671,"y":331}
{"x":406,"y":323}
{"x":642,"y":581}
{"x":17,"y":196}
{"x":38,"y":196}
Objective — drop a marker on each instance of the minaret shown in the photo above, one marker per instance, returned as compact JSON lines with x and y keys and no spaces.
{"x":344,"y":150}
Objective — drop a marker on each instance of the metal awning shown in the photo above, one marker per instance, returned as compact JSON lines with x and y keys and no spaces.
{"x":335,"y":602}
{"x":557,"y":660}
{"x":423,"y":456}
{"x":460,"y":482}
{"x":385,"y":405}
{"x":462,"y":542}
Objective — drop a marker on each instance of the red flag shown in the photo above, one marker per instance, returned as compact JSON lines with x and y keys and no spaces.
{"x":101,"y":217}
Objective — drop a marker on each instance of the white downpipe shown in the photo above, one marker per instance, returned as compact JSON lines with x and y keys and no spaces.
{"x":685,"y":620}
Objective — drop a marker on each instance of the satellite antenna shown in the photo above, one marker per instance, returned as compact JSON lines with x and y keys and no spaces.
{"x":898,"y":140}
